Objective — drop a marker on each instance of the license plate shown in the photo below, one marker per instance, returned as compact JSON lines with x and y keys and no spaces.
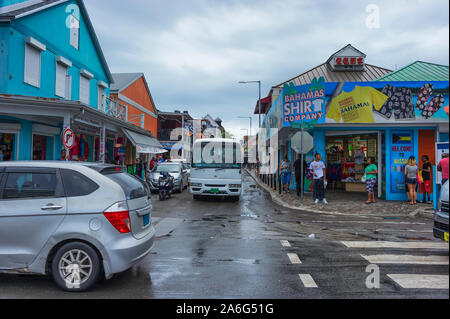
{"x":214,"y":190}
{"x":446,"y":237}
{"x":146,"y":219}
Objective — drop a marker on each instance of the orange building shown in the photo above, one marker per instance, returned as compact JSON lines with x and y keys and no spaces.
{"x":131,"y":90}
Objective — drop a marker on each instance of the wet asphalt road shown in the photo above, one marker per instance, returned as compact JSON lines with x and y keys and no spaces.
{"x":221,"y":249}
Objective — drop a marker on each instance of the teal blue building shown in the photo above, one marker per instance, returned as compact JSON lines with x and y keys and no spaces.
{"x":54,"y":76}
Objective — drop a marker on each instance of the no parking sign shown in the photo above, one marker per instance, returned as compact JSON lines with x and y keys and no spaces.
{"x":68,"y":138}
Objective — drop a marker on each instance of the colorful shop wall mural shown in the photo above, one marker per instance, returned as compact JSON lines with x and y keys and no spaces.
{"x":365,"y":102}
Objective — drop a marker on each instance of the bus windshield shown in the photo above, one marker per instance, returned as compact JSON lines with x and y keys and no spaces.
{"x":217,"y":155}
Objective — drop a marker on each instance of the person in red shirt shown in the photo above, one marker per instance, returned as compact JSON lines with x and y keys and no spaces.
{"x":443,"y":168}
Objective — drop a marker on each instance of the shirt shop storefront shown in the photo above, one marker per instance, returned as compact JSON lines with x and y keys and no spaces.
{"x":32,"y":129}
{"x":354,"y":121}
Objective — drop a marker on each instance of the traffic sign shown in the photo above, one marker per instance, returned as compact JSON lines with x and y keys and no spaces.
{"x":302,"y":142}
{"x":68,"y":138}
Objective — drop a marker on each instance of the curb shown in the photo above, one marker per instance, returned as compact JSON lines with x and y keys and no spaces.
{"x":281,"y":202}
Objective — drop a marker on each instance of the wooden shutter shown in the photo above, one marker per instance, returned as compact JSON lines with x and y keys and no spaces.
{"x":61,"y":78}
{"x":32,"y":72}
{"x":84,"y":89}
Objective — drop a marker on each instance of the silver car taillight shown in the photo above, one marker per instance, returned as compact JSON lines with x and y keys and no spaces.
{"x":118,"y":215}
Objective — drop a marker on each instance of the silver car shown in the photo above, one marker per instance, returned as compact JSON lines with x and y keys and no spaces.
{"x":175,"y":169}
{"x":76,"y":222}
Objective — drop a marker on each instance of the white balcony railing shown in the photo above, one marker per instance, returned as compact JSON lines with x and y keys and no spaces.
{"x":114,"y":108}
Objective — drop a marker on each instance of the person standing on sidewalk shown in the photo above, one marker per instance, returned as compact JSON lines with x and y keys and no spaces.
{"x":285,"y":174}
{"x":298,"y":173}
{"x":411,"y":171}
{"x":371,"y":172}
{"x":317,"y":168}
{"x":443,"y":168}
{"x":426,"y":175}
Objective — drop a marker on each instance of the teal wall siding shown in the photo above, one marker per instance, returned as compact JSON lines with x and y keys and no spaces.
{"x":4,"y":3}
{"x":49,"y":27}
{"x":4,"y":53}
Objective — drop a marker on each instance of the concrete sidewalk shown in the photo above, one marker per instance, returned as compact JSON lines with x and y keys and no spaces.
{"x":346,"y":203}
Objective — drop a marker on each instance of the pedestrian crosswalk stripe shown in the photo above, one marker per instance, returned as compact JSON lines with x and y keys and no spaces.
{"x":421,"y":281}
{"x":394,"y":244}
{"x":406,"y":259}
{"x":294,"y":258}
{"x":307,"y":281}
{"x":285,"y":243}
{"x":364,"y":222}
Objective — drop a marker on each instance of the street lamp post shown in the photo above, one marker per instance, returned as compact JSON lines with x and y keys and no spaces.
{"x":247,"y":117}
{"x":259,"y":100}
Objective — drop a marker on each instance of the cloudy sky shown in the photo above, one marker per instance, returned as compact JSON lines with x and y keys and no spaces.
{"x":194,"y":52}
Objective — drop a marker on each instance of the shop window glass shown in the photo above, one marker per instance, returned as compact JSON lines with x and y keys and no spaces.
{"x":39,"y":148}
{"x":6,"y":147}
{"x":30,"y":185}
{"x":76,"y":184}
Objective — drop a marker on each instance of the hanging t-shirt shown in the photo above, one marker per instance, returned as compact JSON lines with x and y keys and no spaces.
{"x":356,"y":106}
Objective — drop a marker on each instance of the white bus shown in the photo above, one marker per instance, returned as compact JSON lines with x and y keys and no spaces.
{"x":216,"y":168}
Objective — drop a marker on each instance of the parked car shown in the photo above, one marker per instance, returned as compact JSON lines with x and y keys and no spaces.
{"x":176,"y":170}
{"x":440,"y":229}
{"x":74,"y":221}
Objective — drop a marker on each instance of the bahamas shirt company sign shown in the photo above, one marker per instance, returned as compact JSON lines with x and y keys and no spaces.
{"x":305,"y":103}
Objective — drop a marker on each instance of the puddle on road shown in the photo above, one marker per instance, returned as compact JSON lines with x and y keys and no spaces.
{"x":243,"y":261}
{"x":246,"y":212}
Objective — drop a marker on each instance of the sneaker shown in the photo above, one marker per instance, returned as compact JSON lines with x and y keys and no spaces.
{"x":429,"y":202}
{"x":325,"y":201}
{"x":316,"y":201}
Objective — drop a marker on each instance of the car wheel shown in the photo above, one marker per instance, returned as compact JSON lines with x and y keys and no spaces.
{"x":181,"y":189}
{"x":76,"y":267}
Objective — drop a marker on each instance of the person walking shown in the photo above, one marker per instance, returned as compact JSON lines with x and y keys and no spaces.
{"x":443,"y":168}
{"x":411,"y":170}
{"x":371,"y":172}
{"x":426,"y":175}
{"x":285,"y":174}
{"x":298,"y":173}
{"x":152,"y":163}
{"x":317,"y":168}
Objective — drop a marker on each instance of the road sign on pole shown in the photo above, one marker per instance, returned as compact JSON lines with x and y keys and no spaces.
{"x":302,"y":142}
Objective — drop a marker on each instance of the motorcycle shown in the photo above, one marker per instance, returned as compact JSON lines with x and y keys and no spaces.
{"x":165,"y":185}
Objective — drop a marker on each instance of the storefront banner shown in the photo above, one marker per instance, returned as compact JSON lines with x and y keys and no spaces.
{"x":387,"y":102}
{"x":402,"y":147}
{"x":306,"y":103}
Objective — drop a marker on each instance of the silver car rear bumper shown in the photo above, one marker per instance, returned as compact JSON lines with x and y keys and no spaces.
{"x":124,"y":253}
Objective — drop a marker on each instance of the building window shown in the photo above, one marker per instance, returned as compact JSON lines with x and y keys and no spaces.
{"x":85,"y":86}
{"x":32,"y":73}
{"x":74,"y":32}
{"x":101,"y":93}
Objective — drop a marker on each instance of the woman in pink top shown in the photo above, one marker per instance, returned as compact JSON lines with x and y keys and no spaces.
{"x":443,"y":168}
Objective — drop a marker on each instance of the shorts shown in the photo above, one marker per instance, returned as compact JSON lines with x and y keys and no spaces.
{"x":370,"y":185}
{"x":411,"y":181}
{"x":427,"y":186}
{"x":286,"y":178}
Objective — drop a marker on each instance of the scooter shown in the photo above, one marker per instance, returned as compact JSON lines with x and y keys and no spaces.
{"x":165,"y":185}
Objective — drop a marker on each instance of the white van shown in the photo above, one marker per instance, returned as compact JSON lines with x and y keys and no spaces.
{"x":216,"y":168}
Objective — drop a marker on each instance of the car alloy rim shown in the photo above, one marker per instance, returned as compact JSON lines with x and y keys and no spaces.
{"x":75,"y":267}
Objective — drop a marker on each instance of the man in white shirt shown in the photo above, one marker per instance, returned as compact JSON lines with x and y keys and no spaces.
{"x":317,"y":168}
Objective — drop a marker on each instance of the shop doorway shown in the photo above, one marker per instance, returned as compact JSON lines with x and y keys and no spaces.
{"x":347,"y":154}
{"x":43,"y":147}
{"x":6,"y":147}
